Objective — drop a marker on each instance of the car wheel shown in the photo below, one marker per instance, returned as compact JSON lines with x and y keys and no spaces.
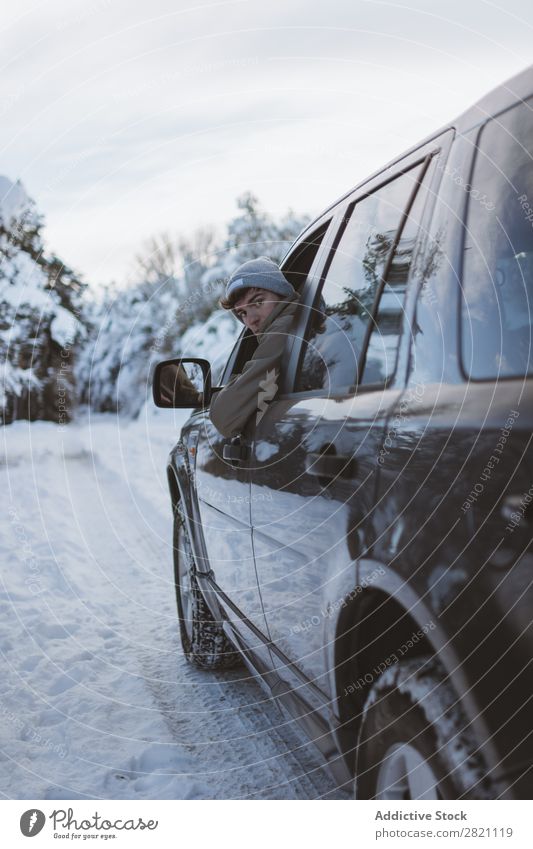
{"x":204,"y":642}
{"x":414,"y":742}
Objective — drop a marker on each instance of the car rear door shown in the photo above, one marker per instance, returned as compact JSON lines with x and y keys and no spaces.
{"x":315,"y":452}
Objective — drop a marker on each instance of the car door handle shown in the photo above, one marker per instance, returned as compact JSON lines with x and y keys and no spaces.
{"x":331,"y":466}
{"x":235,"y":453}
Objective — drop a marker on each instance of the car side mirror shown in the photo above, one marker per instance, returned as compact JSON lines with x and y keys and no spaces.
{"x":182,"y":383}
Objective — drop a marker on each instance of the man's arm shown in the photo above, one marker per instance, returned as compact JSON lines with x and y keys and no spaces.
{"x":249,"y":392}
{"x":174,"y":380}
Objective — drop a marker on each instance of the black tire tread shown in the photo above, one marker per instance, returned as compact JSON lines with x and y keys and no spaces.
{"x":413,"y":701}
{"x":207,"y":647}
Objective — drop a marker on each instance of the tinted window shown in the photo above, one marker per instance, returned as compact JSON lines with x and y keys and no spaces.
{"x":498,"y":251}
{"x":343,"y":311}
{"x":380,"y":360}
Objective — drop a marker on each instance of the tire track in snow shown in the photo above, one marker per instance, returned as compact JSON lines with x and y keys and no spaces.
{"x":243,"y":745}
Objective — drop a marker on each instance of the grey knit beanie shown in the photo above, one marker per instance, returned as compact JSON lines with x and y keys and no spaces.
{"x":260,"y":272}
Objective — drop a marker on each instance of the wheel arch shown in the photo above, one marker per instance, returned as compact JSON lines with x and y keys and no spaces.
{"x":383,"y":617}
{"x":173,"y":486}
{"x":372,"y":630}
{"x":179,"y":488}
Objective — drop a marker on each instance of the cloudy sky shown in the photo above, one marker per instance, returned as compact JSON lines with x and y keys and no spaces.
{"x":124,"y":118}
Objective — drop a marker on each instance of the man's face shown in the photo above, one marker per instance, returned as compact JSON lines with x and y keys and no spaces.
{"x":254,"y":307}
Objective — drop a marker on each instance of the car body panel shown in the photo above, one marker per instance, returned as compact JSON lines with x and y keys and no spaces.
{"x":308,"y":531}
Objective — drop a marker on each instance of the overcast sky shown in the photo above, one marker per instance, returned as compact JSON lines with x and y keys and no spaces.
{"x":127,"y":117}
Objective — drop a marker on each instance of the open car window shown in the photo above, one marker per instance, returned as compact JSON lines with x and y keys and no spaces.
{"x":296,"y":268}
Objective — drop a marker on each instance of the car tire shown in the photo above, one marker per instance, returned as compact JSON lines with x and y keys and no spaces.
{"x":414,"y":741}
{"x":203,"y":639}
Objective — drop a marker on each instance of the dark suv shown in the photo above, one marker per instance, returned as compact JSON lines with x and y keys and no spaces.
{"x":367,"y":546}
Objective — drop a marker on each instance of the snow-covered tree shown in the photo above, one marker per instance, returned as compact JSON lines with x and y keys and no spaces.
{"x":254,"y":233}
{"x":40,"y":311}
{"x":127,"y":333}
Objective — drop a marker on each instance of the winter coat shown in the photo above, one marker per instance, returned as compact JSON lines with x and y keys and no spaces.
{"x":248,"y":394}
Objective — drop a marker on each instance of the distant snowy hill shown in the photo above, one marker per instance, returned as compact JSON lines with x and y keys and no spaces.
{"x":40,"y":300}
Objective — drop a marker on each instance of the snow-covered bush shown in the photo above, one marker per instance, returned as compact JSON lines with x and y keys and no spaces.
{"x":40,"y":303}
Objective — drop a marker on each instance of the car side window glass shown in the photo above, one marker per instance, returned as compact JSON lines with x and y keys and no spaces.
{"x":340,"y":316}
{"x":496,"y":313}
{"x":380,"y":361}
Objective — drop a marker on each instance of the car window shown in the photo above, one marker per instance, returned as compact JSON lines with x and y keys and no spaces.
{"x":380,"y":360}
{"x":296,"y":269}
{"x":246,"y":349}
{"x":344,"y":306}
{"x":496,"y":314}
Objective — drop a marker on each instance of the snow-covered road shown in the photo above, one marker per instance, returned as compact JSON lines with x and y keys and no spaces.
{"x":96,"y":698}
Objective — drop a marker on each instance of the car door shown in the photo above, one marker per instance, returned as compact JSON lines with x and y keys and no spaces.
{"x":223,"y":492}
{"x":315,"y":452}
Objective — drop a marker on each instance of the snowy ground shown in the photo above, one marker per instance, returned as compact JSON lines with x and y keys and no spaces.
{"x":96,"y":699}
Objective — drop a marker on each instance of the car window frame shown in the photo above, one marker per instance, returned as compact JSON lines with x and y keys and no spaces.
{"x":429,"y":152}
{"x":348,"y":209}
